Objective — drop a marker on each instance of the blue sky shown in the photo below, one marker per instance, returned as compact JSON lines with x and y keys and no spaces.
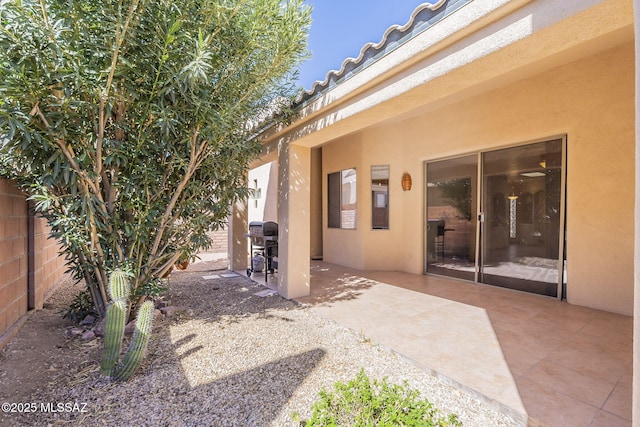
{"x":341,"y":27}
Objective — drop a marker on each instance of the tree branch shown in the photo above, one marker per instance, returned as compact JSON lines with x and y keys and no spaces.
{"x":120,"y":37}
{"x":193,"y":166}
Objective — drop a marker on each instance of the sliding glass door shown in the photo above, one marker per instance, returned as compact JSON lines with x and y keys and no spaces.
{"x":451,"y":217}
{"x":519,"y":241}
{"x":521,"y":200}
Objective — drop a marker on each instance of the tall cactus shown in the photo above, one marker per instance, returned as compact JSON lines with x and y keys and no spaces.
{"x":115,"y":323}
{"x":138,"y":346}
{"x":113,"y":332}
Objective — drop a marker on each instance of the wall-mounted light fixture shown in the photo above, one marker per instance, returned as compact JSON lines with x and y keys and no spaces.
{"x":255,"y":193}
{"x":406,"y":182}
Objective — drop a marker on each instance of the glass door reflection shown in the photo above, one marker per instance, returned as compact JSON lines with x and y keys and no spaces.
{"x":451,"y":217}
{"x":521,"y":201}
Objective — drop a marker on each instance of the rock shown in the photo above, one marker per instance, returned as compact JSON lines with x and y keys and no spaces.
{"x":131,"y":326}
{"x":74,"y":332}
{"x":98,"y":330}
{"x":161,"y":303}
{"x":89,"y":320}
{"x":171,"y":311}
{"x":88,"y":335}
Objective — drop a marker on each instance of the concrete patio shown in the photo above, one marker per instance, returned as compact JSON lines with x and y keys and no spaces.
{"x":544,"y":361}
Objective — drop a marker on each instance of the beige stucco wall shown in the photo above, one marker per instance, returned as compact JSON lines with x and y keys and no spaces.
{"x":294,"y":221}
{"x":316,"y":250}
{"x":590,"y":100}
{"x":264,"y":207}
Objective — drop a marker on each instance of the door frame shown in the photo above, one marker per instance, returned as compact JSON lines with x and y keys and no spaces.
{"x":480,"y":220}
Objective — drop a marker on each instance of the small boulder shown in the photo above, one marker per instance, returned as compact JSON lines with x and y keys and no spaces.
{"x":88,"y":335}
{"x":74,"y":332}
{"x":89,"y":320}
{"x":98,"y":330}
{"x":131,"y":326}
{"x":171,"y":311}
{"x":161,"y":303}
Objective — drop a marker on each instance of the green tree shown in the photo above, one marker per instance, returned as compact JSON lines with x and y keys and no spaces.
{"x":127,"y":121}
{"x":457,"y":192}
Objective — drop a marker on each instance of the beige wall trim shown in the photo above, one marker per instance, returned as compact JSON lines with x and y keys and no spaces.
{"x":636,"y":298}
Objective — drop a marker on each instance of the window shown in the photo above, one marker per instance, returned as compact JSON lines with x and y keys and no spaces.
{"x":342,"y":199}
{"x":380,"y":197}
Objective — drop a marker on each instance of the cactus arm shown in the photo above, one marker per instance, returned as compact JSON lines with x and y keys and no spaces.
{"x":138,"y":346}
{"x":113,"y":333}
{"x":119,"y":285}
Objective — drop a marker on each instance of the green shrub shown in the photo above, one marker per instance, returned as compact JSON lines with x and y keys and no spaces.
{"x":81,"y":306}
{"x":361,"y":402}
{"x":152,"y":288}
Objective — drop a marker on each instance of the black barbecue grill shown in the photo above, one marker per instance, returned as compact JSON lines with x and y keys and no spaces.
{"x":263,"y":236}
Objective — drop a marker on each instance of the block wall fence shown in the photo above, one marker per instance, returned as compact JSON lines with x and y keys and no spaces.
{"x":29,"y":263}
{"x":220,"y":240}
{"x":30,"y":266}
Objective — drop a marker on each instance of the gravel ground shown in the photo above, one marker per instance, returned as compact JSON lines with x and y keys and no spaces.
{"x":230,"y":358}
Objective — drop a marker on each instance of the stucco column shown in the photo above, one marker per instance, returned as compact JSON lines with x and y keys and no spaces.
{"x":294,"y":229}
{"x":238,"y":246}
{"x":636,"y":255}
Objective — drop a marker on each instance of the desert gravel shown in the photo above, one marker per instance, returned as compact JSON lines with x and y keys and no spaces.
{"x":227,"y":357}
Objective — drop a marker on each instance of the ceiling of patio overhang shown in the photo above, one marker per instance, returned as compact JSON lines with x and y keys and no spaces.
{"x":503,"y":46}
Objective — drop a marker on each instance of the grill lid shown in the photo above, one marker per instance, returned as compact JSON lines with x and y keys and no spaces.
{"x":263,"y":228}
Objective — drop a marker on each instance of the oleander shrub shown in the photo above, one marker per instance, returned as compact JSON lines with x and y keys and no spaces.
{"x":366,"y":402}
{"x":131,"y":124}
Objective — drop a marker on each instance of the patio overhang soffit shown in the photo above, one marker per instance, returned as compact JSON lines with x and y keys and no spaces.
{"x":447,"y":53}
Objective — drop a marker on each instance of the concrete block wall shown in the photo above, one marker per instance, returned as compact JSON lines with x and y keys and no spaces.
{"x":220,"y":241}
{"x":13,"y":255}
{"x":48,"y":266}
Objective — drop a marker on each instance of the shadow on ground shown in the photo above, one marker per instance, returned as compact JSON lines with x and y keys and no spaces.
{"x":342,"y":286}
{"x":218,"y":361}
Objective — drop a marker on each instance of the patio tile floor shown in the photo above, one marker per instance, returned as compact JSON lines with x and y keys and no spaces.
{"x":545,"y":361}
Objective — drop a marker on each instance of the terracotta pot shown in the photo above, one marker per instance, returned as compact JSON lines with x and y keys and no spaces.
{"x":167,"y":273}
